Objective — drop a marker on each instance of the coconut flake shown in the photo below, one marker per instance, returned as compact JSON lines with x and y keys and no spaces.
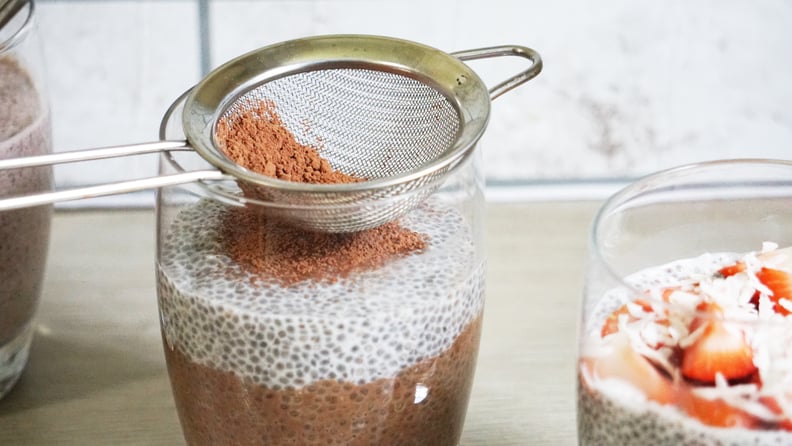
{"x":690,"y":339}
{"x":686,"y":300}
{"x":635,"y":310}
{"x":769,"y":246}
{"x":766,"y":307}
{"x":780,"y":259}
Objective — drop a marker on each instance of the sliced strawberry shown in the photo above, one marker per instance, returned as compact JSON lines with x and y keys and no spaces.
{"x":780,"y":283}
{"x":755,"y":300}
{"x":625,"y":364}
{"x":731,"y":270}
{"x":713,"y":412}
{"x":612,"y":322}
{"x":772,"y":404}
{"x":719,"y":349}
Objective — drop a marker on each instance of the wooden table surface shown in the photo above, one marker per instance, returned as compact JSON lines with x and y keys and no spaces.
{"x":97,"y":375}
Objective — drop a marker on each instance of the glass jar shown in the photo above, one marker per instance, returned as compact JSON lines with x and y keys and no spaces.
{"x":687,"y":314}
{"x":274,"y":335}
{"x":24,"y":234}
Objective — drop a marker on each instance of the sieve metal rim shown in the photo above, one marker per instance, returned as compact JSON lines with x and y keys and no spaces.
{"x":448,"y":75}
{"x":234,"y":198}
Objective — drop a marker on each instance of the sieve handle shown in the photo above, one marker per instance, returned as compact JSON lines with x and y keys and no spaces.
{"x":122,"y":187}
{"x":8,"y":9}
{"x":92,"y":154}
{"x":506,"y":50}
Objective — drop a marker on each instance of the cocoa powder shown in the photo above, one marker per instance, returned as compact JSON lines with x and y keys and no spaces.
{"x":257,"y":139}
{"x":277,"y":250}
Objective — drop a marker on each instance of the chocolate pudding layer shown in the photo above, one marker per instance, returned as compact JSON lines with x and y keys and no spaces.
{"x":24,"y":233}
{"x":423,"y":404}
{"x":380,"y":356}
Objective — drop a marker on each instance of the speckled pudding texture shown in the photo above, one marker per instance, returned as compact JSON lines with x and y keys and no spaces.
{"x":611,"y":412}
{"x":380,"y":357}
{"x":24,"y":234}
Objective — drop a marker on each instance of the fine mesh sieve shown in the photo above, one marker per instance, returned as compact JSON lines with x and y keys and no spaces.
{"x":397,"y":113}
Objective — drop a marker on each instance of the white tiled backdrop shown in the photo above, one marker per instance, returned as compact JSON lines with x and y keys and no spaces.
{"x":629,"y":86}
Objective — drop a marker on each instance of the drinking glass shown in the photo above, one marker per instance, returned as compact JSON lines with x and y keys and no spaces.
{"x":24,"y":234}
{"x":685,"y":330}
{"x":379,"y":355}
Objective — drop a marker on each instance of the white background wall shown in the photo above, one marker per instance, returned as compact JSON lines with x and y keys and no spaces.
{"x":629,"y":86}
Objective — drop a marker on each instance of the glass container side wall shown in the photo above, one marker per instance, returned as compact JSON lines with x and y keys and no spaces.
{"x":283,"y":333}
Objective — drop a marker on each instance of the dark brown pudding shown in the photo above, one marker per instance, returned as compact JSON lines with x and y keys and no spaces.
{"x":383,"y":412}
{"x":24,"y":233}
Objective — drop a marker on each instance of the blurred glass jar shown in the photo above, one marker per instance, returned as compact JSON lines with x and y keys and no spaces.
{"x":25,"y":130}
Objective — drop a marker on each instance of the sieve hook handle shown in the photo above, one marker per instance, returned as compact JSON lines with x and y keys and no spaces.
{"x":92,"y":154}
{"x":38,"y":199}
{"x":121,"y":187}
{"x":506,"y":50}
{"x":8,"y":9}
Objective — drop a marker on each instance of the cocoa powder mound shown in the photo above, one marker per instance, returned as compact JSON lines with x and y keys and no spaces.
{"x":257,"y":139}
{"x":276,"y":250}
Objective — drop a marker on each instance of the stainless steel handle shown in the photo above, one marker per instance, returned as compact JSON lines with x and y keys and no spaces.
{"x":10,"y":8}
{"x":109,"y":189}
{"x":121,"y":187}
{"x":93,"y":154}
{"x":506,"y":50}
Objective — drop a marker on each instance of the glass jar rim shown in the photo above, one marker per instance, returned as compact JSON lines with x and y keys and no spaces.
{"x":24,"y":29}
{"x":634,"y":189}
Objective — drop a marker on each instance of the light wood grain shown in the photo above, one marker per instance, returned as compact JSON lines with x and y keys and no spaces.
{"x":97,"y":375}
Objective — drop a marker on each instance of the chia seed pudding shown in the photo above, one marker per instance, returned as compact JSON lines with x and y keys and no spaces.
{"x":24,"y":233}
{"x":701,"y":357}
{"x":382,"y":356}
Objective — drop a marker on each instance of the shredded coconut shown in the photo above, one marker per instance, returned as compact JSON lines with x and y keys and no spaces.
{"x":769,"y":246}
{"x":690,"y":339}
{"x":660,"y":333}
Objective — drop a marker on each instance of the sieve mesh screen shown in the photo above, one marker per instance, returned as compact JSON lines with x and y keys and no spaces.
{"x":366,"y":123}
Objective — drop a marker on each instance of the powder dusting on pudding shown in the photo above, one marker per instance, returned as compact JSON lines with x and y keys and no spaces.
{"x":304,"y":255}
{"x":701,"y":356}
